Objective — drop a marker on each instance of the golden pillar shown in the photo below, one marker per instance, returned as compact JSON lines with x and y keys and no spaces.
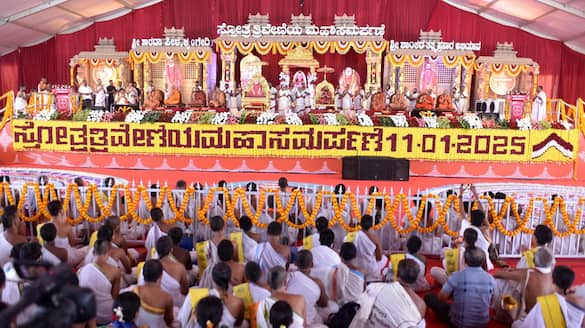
{"x":374,"y":69}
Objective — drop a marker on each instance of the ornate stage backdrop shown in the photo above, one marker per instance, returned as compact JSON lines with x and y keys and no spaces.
{"x":561,"y":69}
{"x":317,"y":141}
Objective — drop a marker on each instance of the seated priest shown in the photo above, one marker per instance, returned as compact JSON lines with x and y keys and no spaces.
{"x":398,"y":101}
{"x":425,"y":100}
{"x":378,"y":102}
{"x":217,"y":98}
{"x":174,"y":97}
{"x":154,"y":98}
{"x":198,"y":98}
{"x":444,"y":102}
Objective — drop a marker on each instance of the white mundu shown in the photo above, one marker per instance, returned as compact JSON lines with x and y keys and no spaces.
{"x":346,"y":102}
{"x":262,"y":315}
{"x":387,"y":305}
{"x":267,"y":257}
{"x":47,"y":256}
{"x":74,"y":255}
{"x":250,"y":246}
{"x":169,"y":285}
{"x":366,"y":258}
{"x":324,"y":256}
{"x":154,"y":233}
{"x":284,"y":101}
{"x":300,"y":284}
{"x":92,"y":277}
{"x":341,"y":284}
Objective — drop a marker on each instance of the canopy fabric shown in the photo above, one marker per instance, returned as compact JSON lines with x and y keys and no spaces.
{"x":47,"y":33}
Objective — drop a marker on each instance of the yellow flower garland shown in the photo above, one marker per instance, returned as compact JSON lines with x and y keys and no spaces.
{"x":339,"y":204}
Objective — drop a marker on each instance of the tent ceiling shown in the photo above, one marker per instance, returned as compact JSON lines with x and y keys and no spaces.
{"x":28,"y":22}
{"x":562,"y":20}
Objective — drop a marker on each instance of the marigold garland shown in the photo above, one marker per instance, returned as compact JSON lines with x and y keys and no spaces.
{"x":393,"y":206}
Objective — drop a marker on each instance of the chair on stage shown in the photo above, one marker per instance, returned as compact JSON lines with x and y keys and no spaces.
{"x":324,"y":98}
{"x":256,"y":95}
{"x":198,"y":98}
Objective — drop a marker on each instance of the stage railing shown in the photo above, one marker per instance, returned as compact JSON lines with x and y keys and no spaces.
{"x":435,"y":218}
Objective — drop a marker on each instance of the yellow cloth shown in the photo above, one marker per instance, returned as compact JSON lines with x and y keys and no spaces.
{"x":395,"y":259}
{"x":139,"y":267}
{"x":242,"y":291}
{"x":174,"y":98}
{"x":196,"y":294}
{"x":237,"y":238}
{"x":92,"y":239}
{"x":308,"y":242}
{"x":40,"y":239}
{"x":350,"y":238}
{"x":201,"y":250}
{"x":452,"y":260}
{"x":551,"y":311}
{"x":529,"y":256}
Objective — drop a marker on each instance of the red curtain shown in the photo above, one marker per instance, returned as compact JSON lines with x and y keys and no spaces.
{"x":9,"y":65}
{"x":561,"y":68}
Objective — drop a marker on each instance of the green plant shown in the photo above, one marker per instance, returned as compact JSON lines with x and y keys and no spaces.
{"x":443,"y":122}
{"x":243,"y":117}
{"x":314,"y":119}
{"x":80,"y":115}
{"x":387,"y":121}
{"x":342,"y":119}
{"x":150,"y":116}
{"x":503,"y":124}
{"x":464,"y":123}
{"x":206,"y":118}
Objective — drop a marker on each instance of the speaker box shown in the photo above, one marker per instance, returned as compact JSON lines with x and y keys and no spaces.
{"x":375,"y":168}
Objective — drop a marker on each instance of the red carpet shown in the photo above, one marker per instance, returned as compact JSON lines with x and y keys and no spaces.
{"x":578,"y":265}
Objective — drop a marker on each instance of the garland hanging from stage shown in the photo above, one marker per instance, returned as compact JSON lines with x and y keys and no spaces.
{"x":342,"y":205}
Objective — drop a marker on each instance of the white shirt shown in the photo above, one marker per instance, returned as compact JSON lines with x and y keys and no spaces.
{"x":100,"y":97}
{"x":85,"y":92}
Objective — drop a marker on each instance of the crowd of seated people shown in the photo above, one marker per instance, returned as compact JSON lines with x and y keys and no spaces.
{"x":248,"y":277}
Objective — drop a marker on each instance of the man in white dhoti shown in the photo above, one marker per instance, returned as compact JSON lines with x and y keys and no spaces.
{"x":355,"y":280}
{"x":10,"y":236}
{"x":13,"y":287}
{"x":413,"y":245}
{"x":272,"y":253}
{"x":542,"y":237}
{"x":277,"y":280}
{"x":174,"y":275}
{"x":156,"y":304}
{"x":51,"y":253}
{"x":313,"y":290}
{"x":284,"y":99}
{"x":249,"y":239}
{"x":525,"y":284}
{"x":323,"y":255}
{"x":538,"y":105}
{"x":481,"y":226}
{"x":321,"y":223}
{"x":225,"y":253}
{"x":158,"y":229}
{"x":103,"y":279}
{"x":253,"y":291}
{"x":207,"y":251}
{"x":369,"y":250}
{"x":65,"y":235}
{"x":392,"y":304}
{"x":453,"y":258}
{"x":233,"y":307}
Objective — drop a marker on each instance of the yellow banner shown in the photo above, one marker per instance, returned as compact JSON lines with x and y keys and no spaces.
{"x":297,"y":141}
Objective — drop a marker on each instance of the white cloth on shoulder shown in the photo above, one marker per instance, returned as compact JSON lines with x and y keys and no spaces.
{"x":249,"y":245}
{"x":187,"y":320}
{"x":573,"y":316}
{"x":267,"y":257}
{"x":154,"y":233}
{"x":301,"y":284}
{"x":12,"y":287}
{"x":387,"y":305}
{"x":206,"y":280}
{"x":263,"y":315}
{"x":47,"y":256}
{"x":258,"y":293}
{"x":74,"y":255}
{"x":366,"y":257}
{"x":169,"y":285}
{"x":324,"y":256}
{"x":92,"y":277}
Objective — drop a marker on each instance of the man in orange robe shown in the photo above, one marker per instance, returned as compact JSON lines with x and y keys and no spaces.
{"x":425,"y":101}
{"x":153,"y":99}
{"x":444,"y":102}
{"x":217,"y":98}
{"x":398,"y":101}
{"x":174,"y":97}
{"x":378,"y":101}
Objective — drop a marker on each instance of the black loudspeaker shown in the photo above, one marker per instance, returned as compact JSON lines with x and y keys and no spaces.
{"x":375,"y":168}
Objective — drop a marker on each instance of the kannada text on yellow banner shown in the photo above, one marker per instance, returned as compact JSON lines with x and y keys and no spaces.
{"x":297,"y":141}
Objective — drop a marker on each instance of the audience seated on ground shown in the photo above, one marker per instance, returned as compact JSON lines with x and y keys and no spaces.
{"x":51,"y":253}
{"x":272,"y":253}
{"x":277,"y":279}
{"x":10,"y":236}
{"x":369,"y":250}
